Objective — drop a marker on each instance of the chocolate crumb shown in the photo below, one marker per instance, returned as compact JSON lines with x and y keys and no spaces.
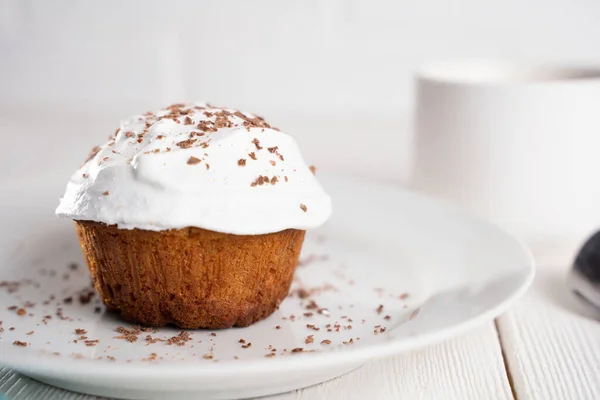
{"x":403,"y":296}
{"x":245,"y":346}
{"x":380,"y":309}
{"x":252,"y":155}
{"x":297,"y":350}
{"x":68,"y":300}
{"x":151,"y":357}
{"x":93,"y":153}
{"x":19,"y":343}
{"x":80,"y":331}
{"x":130,"y":335}
{"x":303,"y":207}
{"x":308,"y":314}
{"x":277,"y":327}
{"x":180,"y":339}
{"x":273,"y":163}
{"x":21,"y":312}
{"x":326,"y":341}
{"x":309,"y":339}
{"x":193,"y":160}
{"x":30,"y":333}
{"x":73,"y":266}
{"x":272,"y":149}
{"x":213,"y":334}
{"x":414,"y":314}
{"x":257,"y":144}
{"x":151,"y":340}
{"x":106,"y":193}
{"x":184,"y":144}
{"x":241,"y":341}
{"x":242,"y":162}
{"x":261,"y":180}
{"x":207,"y":166}
{"x":86,"y":295}
{"x":313,"y":169}
{"x":387,"y":317}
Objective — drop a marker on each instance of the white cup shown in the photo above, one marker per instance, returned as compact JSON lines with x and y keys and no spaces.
{"x":518,"y":145}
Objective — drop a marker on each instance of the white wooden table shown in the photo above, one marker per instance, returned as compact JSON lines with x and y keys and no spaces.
{"x":546,"y":347}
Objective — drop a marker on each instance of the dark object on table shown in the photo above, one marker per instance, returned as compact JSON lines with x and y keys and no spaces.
{"x":584,"y":279}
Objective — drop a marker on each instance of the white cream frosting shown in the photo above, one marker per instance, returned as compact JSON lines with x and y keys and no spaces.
{"x":184,"y":166}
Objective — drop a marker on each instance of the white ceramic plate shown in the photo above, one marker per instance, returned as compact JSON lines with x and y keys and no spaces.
{"x":395,"y":271}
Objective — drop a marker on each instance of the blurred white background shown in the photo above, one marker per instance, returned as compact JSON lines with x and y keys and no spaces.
{"x":336,"y":74}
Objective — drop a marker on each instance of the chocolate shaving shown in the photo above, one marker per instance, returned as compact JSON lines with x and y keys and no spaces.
{"x":261,"y":180}
{"x":193,"y":160}
{"x":180,"y":339}
{"x":93,"y":153}
{"x":414,"y":314}
{"x":184,"y":144}
{"x":257,"y":144}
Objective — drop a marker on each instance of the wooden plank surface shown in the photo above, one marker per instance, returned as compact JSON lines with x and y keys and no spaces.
{"x":467,"y":367}
{"x":551,"y":341}
{"x":463,"y":368}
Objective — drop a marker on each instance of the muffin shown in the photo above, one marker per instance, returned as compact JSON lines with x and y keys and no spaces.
{"x":195,"y":216}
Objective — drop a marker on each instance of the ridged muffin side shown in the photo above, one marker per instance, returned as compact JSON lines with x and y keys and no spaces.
{"x":193,"y":278}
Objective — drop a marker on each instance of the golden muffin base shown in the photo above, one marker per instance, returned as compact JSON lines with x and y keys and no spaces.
{"x":190,"y":277}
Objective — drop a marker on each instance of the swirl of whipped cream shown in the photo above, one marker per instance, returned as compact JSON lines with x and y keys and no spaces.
{"x":195,"y":165}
